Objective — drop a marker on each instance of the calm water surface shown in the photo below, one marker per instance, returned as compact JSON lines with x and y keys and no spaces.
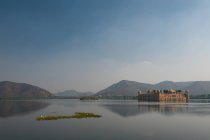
{"x":123,"y":120}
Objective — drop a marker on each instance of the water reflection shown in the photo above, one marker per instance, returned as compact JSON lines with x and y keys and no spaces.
{"x":12,"y":108}
{"x":153,"y":121}
{"x":126,"y":110}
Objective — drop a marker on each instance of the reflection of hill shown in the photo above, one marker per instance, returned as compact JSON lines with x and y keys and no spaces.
{"x":12,"y":108}
{"x":123,"y":110}
{"x":126,"y":110}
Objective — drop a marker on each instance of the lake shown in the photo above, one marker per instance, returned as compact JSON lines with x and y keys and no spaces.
{"x":121,"y":120}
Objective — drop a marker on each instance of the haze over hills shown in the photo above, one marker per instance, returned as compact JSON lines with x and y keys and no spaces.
{"x":125,"y":88}
{"x":122,"y":88}
{"x":130,"y":88}
{"x":74,"y":93}
{"x":17,"y":90}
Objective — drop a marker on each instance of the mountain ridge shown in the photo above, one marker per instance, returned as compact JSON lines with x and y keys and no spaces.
{"x":130,"y":88}
{"x":10,"y":89}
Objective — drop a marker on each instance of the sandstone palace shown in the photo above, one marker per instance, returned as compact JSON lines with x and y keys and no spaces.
{"x":164,"y":96}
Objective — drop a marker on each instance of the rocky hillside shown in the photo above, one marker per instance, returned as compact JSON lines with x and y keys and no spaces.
{"x":130,"y":88}
{"x":21,"y":90}
{"x":125,"y":88}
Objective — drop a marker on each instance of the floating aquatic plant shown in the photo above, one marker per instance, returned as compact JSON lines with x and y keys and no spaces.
{"x":77,"y":115}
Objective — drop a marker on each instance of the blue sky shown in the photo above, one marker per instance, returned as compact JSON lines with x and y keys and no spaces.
{"x":89,"y":45}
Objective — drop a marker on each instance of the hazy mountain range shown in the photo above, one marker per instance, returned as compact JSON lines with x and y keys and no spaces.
{"x":16,"y":90}
{"x":74,"y":93}
{"x":130,"y":88}
{"x":122,"y":88}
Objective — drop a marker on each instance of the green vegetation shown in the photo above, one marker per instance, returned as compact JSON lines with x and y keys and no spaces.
{"x":119,"y":97}
{"x":89,"y":98}
{"x":77,"y":115}
{"x":201,"y":96}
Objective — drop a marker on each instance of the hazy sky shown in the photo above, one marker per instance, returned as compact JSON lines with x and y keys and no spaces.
{"x":88,"y":45}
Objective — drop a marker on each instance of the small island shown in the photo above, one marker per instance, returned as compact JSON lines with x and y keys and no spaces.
{"x":77,"y":115}
{"x":89,"y":98}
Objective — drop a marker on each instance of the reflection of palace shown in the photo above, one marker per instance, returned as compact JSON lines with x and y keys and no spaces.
{"x":163,"y":108}
{"x":126,"y":110}
{"x":12,"y":108}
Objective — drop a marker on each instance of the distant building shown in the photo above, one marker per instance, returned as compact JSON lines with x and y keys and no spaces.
{"x":164,"y":96}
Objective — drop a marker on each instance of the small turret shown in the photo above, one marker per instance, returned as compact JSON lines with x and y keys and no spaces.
{"x":139,"y":92}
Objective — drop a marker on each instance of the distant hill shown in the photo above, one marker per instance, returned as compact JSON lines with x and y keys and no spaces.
{"x":125,"y":88}
{"x":173,"y":85}
{"x":73,"y":93}
{"x":130,"y":88}
{"x":199,"y":87}
{"x":21,"y":90}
